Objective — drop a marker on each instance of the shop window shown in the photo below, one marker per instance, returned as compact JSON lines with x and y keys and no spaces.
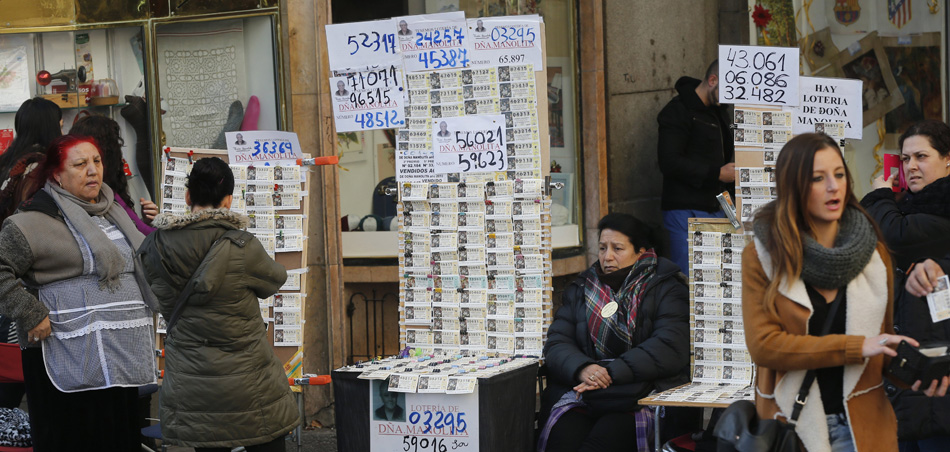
{"x":215,"y":77}
{"x":367,"y":159}
{"x":92,"y":71}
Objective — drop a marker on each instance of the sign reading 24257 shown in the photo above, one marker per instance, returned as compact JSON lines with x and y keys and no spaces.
{"x":758,"y":75}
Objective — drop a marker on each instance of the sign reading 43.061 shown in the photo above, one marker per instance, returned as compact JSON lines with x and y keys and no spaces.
{"x":470,"y":144}
{"x":758,"y":75}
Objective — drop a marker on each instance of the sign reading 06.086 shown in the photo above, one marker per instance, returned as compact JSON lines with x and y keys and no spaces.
{"x":470,"y":144}
{"x":758,"y":75}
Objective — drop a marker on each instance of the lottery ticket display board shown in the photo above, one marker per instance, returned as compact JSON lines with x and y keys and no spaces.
{"x":474,"y":222}
{"x":760,"y":132}
{"x":272,"y":196}
{"x":722,"y":370}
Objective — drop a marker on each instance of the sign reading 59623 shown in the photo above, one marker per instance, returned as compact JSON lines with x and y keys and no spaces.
{"x":758,"y":75}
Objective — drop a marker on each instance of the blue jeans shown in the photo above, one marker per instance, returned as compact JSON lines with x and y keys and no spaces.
{"x":933,"y":444}
{"x":676,"y":223}
{"x":839,"y":434}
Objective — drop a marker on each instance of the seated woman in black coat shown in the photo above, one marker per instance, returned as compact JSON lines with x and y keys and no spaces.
{"x":622,"y":332}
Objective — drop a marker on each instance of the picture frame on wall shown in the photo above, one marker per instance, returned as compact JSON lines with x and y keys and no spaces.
{"x":915,"y":62}
{"x":869,"y":64}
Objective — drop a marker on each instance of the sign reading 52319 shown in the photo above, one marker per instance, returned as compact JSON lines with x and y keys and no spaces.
{"x":758,"y":75}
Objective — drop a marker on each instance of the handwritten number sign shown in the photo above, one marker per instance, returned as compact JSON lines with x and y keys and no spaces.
{"x":433,"y":41}
{"x":758,"y":75}
{"x":255,"y":146}
{"x":369,"y":100}
{"x":360,"y":45}
{"x":505,"y":40}
{"x":470,"y":144}
{"x":430,"y":423}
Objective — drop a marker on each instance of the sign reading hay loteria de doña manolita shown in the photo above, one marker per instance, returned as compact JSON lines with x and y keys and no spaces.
{"x":829,"y":100}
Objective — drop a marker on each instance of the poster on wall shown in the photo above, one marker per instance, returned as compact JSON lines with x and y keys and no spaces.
{"x":851,"y":16}
{"x":402,"y":421}
{"x":865,"y":60}
{"x":14,"y":78}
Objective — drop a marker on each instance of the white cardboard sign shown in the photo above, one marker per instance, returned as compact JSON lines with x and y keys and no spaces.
{"x":470,"y":144}
{"x":433,"y":41}
{"x":829,"y":100}
{"x":758,"y":75}
{"x":422,"y":421}
{"x":499,"y":41}
{"x":358,"y":45}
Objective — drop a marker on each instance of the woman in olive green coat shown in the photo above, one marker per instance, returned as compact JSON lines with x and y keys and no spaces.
{"x":223,"y":386}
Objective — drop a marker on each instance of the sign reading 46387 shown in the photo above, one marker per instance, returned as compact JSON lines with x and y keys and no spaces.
{"x":758,"y":75}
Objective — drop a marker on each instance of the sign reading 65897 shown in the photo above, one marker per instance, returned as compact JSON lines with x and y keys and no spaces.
{"x":758,"y":75}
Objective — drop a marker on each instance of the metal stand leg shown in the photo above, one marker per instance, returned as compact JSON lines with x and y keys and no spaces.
{"x":656,"y":428}
{"x":299,"y":429}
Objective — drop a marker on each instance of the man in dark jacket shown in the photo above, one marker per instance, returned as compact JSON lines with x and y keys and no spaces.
{"x":695,"y":151}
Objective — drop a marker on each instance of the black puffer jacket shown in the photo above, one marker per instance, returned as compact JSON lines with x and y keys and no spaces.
{"x":915,"y":228}
{"x":694,"y":143}
{"x":658,"y":360}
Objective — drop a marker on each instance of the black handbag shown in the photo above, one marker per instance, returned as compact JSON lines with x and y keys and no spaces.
{"x":740,"y":430}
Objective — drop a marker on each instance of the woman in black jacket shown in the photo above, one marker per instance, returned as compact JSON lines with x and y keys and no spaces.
{"x":916,"y":226}
{"x":622,"y":332}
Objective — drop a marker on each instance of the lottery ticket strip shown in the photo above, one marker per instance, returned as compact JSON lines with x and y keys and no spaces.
{"x":272,"y":196}
{"x":437,"y":373}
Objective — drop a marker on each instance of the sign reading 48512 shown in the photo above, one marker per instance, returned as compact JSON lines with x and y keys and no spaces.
{"x":758,"y":75}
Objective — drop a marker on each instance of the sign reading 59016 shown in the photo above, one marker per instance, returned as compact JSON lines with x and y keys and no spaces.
{"x":758,"y":75}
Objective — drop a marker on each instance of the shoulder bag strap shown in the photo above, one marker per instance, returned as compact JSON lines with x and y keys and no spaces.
{"x":810,"y":375}
{"x":234,"y":235}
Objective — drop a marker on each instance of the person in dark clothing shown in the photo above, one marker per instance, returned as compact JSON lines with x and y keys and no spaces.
{"x":622,"y":332}
{"x":695,"y":151}
{"x":37,"y":123}
{"x":916,"y":226}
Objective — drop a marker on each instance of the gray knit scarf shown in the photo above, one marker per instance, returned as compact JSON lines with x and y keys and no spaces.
{"x":109,"y":262}
{"x":832,"y":268}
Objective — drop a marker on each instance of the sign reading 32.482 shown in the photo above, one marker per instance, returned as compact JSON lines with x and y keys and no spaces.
{"x":758,"y":75}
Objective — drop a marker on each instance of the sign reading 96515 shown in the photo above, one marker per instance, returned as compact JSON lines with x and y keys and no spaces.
{"x":758,"y":75}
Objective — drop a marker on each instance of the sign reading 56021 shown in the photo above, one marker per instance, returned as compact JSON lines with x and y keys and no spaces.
{"x":758,"y":75}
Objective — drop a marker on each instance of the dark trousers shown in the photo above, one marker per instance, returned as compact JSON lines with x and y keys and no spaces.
{"x":580,"y":431}
{"x":11,"y":394}
{"x":277,"y":445}
{"x":101,"y":419}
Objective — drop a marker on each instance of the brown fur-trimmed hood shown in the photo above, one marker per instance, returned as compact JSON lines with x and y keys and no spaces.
{"x":168,"y":221}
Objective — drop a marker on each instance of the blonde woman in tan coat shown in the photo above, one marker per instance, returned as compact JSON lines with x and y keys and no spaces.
{"x":814,"y":245}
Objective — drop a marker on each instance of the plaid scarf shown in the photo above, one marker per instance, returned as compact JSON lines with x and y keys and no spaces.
{"x":613,"y":335}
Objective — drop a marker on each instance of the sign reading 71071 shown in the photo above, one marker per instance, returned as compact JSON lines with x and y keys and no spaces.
{"x":469,"y":144}
{"x":368,"y":100}
{"x":758,"y":75}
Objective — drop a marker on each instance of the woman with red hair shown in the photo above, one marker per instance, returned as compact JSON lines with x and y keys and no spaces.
{"x":84,"y":313}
